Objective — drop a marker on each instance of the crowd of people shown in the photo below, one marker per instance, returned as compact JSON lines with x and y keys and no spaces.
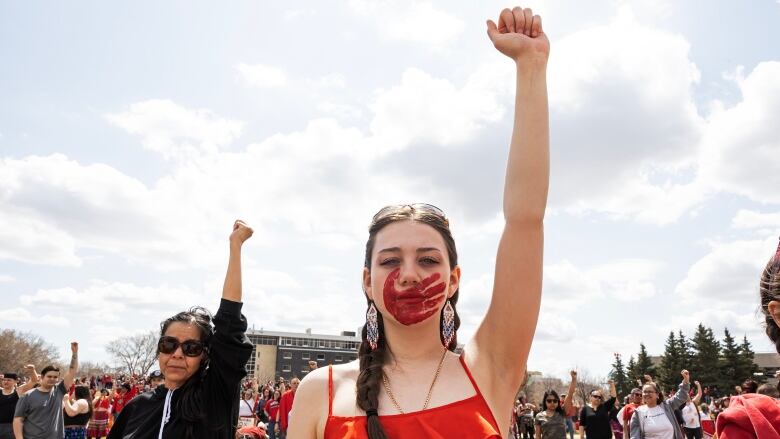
{"x":690,"y":413}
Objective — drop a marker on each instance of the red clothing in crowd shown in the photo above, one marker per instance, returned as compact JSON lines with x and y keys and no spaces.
{"x":285,"y":405}
{"x":272,"y":407}
{"x":121,"y":400}
{"x":750,"y":416}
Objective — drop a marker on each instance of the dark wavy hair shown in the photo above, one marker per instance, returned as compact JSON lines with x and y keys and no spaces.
{"x":558,"y":408}
{"x":82,"y":392}
{"x":190,"y":404}
{"x":371,"y":361}
{"x":769,"y":287}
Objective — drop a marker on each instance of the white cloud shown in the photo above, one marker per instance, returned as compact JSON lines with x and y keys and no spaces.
{"x":748,"y":219}
{"x":427,"y":109}
{"x":742,"y":144}
{"x":417,"y":22}
{"x":628,"y":280}
{"x":174,"y":131}
{"x":729,"y":273}
{"x":22,"y":315}
{"x":260,"y":75}
{"x":4,"y":278}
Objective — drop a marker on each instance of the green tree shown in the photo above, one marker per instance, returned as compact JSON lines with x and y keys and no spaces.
{"x":644,"y":366}
{"x":631,"y":372}
{"x":749,"y":365}
{"x":618,"y":375}
{"x":685,"y":351}
{"x":670,"y":363}
{"x":706,"y":357}
{"x":731,"y":365}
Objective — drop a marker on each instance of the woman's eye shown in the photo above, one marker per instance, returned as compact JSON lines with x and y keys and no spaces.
{"x":389,"y":261}
{"x":428,"y":261}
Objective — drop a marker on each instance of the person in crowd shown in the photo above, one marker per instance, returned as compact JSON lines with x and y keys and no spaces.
{"x":312,"y":365}
{"x":264,"y":397}
{"x":203,"y":367}
{"x":691,"y":414}
{"x":10,"y":396}
{"x":624,"y":414}
{"x":246,"y":409}
{"x":38,"y":414}
{"x":101,"y":412}
{"x":156,"y":378}
{"x":768,"y":390}
{"x":256,"y":432}
{"x":272,"y":411}
{"x":527,"y":420}
{"x":411,"y":276}
{"x":572,"y":409}
{"x":78,"y":410}
{"x":551,"y":420}
{"x":123,"y":393}
{"x":594,"y":416}
{"x":285,"y":407}
{"x":748,"y":386}
{"x":754,"y":415}
{"x":655,"y":419}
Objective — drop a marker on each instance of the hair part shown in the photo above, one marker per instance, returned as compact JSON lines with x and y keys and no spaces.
{"x":371,"y":361}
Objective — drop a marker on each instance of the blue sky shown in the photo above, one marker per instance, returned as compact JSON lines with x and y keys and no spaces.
{"x":131,"y":135}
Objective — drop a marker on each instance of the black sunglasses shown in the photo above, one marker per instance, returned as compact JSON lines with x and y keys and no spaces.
{"x":597,"y":396}
{"x":552,"y":400}
{"x":190,"y":348}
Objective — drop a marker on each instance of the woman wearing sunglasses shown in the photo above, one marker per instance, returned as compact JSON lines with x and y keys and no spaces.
{"x":656,"y":419}
{"x":408,"y":382}
{"x":551,"y":422}
{"x":203,"y":365}
{"x":595,"y":415}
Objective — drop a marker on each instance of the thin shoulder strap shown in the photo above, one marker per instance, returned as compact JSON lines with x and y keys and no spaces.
{"x":330,"y":390}
{"x":468,"y":373}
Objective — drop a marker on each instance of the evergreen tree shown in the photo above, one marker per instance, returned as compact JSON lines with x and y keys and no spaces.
{"x":631,"y":372}
{"x":644,"y":366}
{"x":749,"y":365}
{"x":685,"y":352}
{"x":730,"y":363}
{"x":670,"y":363}
{"x":618,"y":375}
{"x":706,"y":357}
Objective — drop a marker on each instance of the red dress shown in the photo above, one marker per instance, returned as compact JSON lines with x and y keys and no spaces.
{"x":467,"y":418}
{"x":750,"y":416}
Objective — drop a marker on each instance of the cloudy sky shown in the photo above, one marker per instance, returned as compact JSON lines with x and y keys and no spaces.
{"x":133,"y":134}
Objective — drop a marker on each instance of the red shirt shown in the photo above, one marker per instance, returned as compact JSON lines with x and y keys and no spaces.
{"x":272,"y":407}
{"x":121,"y":400}
{"x":750,"y":416}
{"x":285,"y":405}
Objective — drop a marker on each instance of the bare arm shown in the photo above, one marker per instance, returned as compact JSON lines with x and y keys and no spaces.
{"x":232,"y":288}
{"x":18,"y":424}
{"x":697,"y":398}
{"x":567,"y":402}
{"x":73,"y":368}
{"x":612,"y":389}
{"x":503,"y":340}
{"x":73,"y":408}
{"x":30,"y":369}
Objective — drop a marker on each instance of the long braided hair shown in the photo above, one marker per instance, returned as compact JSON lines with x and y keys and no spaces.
{"x":371,"y":361}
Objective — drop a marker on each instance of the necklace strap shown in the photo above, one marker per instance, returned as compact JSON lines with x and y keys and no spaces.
{"x":386,"y":384}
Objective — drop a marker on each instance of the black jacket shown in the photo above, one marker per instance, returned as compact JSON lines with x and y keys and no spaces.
{"x":229,"y":351}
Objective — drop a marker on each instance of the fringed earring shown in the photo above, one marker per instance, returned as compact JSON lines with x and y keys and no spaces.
{"x":372,"y":326}
{"x":448,"y":324}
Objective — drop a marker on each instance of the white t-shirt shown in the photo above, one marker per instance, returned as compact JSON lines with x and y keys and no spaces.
{"x":245,"y":407}
{"x":691,"y":416}
{"x":656,"y":424}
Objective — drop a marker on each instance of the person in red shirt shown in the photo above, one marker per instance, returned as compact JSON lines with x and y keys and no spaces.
{"x":285,"y":405}
{"x":124,"y":394}
{"x":271,"y":410}
{"x":754,"y":416}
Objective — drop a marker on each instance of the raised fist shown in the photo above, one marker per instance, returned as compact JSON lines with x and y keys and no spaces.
{"x":519,"y":34}
{"x":686,"y":375}
{"x":74,"y":347}
{"x":241,"y":232}
{"x":573,"y":374}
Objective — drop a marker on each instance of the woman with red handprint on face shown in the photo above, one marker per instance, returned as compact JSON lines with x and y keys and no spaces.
{"x":408,"y":381}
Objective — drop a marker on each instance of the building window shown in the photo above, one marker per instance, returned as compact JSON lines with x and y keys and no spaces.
{"x":320,"y":357}
{"x":287,"y":356}
{"x":305,"y":356}
{"x":286,"y":368}
{"x":338,"y":359}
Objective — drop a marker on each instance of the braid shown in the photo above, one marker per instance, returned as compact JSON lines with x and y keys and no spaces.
{"x":368,"y":386}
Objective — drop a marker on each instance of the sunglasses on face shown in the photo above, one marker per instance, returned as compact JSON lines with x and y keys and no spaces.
{"x":190,"y":348}
{"x":552,"y":401}
{"x":597,"y":396}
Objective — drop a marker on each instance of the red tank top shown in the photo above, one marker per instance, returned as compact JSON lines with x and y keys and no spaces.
{"x":470,"y":417}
